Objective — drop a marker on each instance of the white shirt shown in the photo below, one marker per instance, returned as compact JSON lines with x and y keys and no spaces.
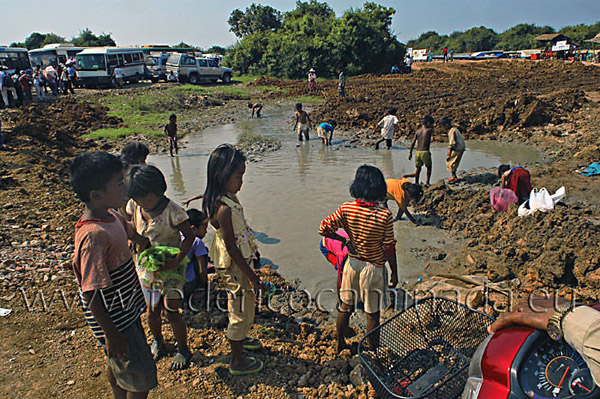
{"x":387,"y":126}
{"x":118,"y":73}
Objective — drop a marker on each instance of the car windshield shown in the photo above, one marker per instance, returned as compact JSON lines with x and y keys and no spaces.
{"x":90,"y":62}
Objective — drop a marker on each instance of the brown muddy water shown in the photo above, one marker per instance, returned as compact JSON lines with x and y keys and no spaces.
{"x":289,"y":192}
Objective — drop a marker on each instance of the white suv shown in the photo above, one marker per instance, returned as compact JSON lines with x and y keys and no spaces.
{"x":193,"y":70}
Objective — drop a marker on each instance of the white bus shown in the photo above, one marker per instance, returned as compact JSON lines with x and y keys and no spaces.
{"x":14,"y":58}
{"x":95,"y":65}
{"x":53,"y":54}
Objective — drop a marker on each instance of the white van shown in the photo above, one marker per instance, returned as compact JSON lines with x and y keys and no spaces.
{"x":95,"y":65}
{"x":53,"y":54}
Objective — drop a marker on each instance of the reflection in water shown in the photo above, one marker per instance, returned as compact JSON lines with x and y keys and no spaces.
{"x":176,"y":179}
{"x":285,"y":204}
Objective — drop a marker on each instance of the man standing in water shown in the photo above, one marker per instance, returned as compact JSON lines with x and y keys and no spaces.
{"x":423,"y":156}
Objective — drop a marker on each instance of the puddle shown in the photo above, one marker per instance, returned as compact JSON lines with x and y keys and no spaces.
{"x":290,"y":191}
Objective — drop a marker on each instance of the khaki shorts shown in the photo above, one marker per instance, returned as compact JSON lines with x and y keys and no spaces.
{"x":138,"y":373}
{"x":241,"y":303}
{"x":171,"y":289}
{"x":303,"y":128}
{"x":423,"y":158}
{"x":364,"y":282}
{"x":321,"y":133}
{"x":452,"y":164}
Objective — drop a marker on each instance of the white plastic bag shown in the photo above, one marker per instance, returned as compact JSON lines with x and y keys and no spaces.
{"x":541,"y":200}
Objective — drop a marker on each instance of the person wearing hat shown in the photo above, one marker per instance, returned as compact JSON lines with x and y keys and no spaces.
{"x":312,"y":79}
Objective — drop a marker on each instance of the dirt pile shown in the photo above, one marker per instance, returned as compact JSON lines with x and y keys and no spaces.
{"x":485,"y":99}
{"x":551,"y":250}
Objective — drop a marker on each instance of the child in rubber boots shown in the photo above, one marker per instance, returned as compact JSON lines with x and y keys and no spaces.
{"x":371,"y":244}
{"x":106,"y":274}
{"x":232,"y":251}
{"x":196,"y":270}
{"x":162,"y":221}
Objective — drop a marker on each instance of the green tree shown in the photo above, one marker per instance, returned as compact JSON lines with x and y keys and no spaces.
{"x":216,"y":50}
{"x":521,"y":37}
{"x":52,"y":38}
{"x":580,"y":33}
{"x":429,"y":40}
{"x":35,"y":40}
{"x":256,"y":18}
{"x":87,"y":38}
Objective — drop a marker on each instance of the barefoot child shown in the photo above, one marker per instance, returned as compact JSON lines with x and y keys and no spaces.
{"x":322,"y":131}
{"x":255,"y":107}
{"x":303,"y":123}
{"x":162,"y":221}
{"x":371,"y":244}
{"x":423,"y":137}
{"x":403,"y":192}
{"x":387,"y":125}
{"x":456,"y":148}
{"x":232,"y":250}
{"x":106,"y":275}
{"x":196,"y":270}
{"x":171,"y":132}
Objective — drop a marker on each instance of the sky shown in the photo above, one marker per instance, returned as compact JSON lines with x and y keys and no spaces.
{"x":203,"y":23}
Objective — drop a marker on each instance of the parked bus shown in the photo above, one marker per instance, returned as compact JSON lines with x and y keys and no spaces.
{"x":95,"y":65}
{"x":158,"y":49}
{"x":53,"y":54}
{"x":14,"y":58}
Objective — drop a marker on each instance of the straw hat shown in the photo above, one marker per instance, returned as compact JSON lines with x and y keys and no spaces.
{"x":311,"y":70}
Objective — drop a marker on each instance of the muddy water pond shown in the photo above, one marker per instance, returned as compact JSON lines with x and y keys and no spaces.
{"x":288,"y":192}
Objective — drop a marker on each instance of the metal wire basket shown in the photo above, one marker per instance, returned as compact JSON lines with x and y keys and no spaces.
{"x":425,"y":351}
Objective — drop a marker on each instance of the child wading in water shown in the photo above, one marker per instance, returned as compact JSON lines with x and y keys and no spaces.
{"x":162,"y":221}
{"x":303,"y":123}
{"x":255,"y":107}
{"x":171,"y":132}
{"x":371,"y":243}
{"x":111,"y":295}
{"x":232,"y":251}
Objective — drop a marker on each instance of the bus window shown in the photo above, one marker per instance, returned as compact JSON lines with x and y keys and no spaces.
{"x":112,"y":60}
{"x":128,"y":58}
{"x":137,"y":57}
{"x":120,"y":58}
{"x":91,"y":62}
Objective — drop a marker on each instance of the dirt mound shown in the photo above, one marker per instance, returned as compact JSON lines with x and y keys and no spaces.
{"x":485,"y":99}
{"x":552,"y":250}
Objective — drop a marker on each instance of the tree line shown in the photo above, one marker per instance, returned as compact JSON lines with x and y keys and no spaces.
{"x":287,"y":44}
{"x":86,"y":38}
{"x":519,"y":37}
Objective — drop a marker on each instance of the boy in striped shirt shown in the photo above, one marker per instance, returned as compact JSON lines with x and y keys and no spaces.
{"x":371,"y":244}
{"x":109,"y":288}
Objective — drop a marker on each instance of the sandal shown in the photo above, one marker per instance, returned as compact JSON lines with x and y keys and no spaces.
{"x":252,"y":344}
{"x":253,"y":367}
{"x":157,"y":349}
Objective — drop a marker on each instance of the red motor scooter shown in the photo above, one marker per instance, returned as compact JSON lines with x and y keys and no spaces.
{"x":440,"y":349}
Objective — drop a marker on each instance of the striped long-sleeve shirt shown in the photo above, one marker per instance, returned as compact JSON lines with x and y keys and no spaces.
{"x":369,"y":226}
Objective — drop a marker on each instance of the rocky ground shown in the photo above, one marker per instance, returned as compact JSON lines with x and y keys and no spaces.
{"x":553,"y":106}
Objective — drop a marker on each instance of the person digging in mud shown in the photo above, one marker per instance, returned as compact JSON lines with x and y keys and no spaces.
{"x":456,"y":147}
{"x":171,"y":132}
{"x":371,"y":244}
{"x":403,"y":192}
{"x":387,"y":125}
{"x":232,"y":250}
{"x":303,"y":122}
{"x":162,"y":221}
{"x":423,"y":155}
{"x":322,"y":131}
{"x":105,"y":273}
{"x":255,"y":107}
{"x":516,"y":179}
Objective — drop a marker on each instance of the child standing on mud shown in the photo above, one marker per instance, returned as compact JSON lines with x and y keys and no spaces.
{"x":162,"y":221}
{"x":196,"y":270}
{"x":371,"y":244}
{"x":233,"y":249}
{"x":105,"y":274}
{"x":387,"y":125}
{"x":255,"y":107}
{"x":171,"y":132}
{"x":456,"y":147}
{"x":303,"y":123}
{"x":423,"y":156}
